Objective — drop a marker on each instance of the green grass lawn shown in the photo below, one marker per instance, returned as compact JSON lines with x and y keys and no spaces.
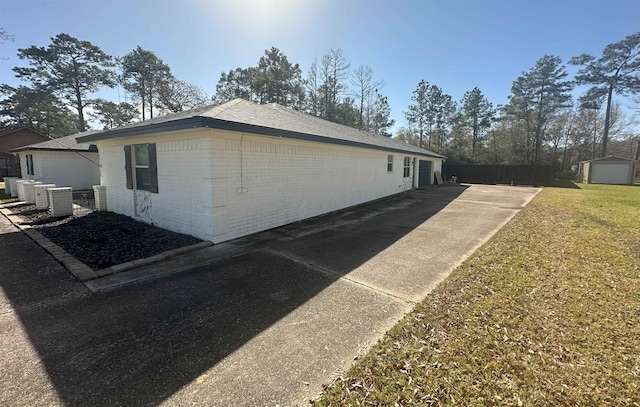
{"x":545,"y":313}
{"x":4,"y":198}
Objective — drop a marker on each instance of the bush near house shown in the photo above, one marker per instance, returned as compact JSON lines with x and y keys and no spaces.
{"x":545,"y":313}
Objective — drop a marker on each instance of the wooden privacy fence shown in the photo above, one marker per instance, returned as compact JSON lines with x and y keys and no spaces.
{"x":500,"y":174}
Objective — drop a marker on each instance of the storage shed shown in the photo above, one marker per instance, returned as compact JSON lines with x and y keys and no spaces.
{"x":607,"y":170}
{"x":238,"y":168}
{"x":62,"y":161}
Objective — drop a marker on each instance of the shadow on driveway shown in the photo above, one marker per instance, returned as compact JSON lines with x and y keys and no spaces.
{"x":138,"y":344}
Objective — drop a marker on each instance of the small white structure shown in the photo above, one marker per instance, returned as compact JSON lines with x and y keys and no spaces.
{"x":42,"y":196}
{"x":7,"y":184}
{"x":21,"y":190}
{"x":29,"y":192}
{"x":234,"y":169}
{"x":60,"y":201}
{"x":13,"y":181}
{"x":100,"y":196}
{"x":61,"y":161}
{"x":607,"y":170}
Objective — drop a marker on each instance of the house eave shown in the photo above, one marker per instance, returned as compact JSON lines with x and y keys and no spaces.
{"x":218,"y":124}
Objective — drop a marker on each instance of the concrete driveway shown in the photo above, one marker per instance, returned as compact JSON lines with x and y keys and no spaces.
{"x":263,"y":320}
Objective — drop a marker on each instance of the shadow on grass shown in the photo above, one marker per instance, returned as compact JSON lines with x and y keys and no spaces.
{"x":4,"y":198}
{"x":139,"y":344}
{"x":561,"y":183}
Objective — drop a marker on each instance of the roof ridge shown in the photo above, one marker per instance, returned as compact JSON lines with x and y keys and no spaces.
{"x":227,"y":105}
{"x":300,"y":113}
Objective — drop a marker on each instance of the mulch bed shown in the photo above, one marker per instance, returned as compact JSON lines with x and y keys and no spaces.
{"x":30,"y":215}
{"x":103,"y":239}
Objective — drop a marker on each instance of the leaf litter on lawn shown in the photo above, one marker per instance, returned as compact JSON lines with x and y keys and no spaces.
{"x":547,"y":312}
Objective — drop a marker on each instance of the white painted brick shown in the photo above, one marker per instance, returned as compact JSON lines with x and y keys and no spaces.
{"x":100,"y":196}
{"x":60,"y":201}
{"x":22,"y":190}
{"x":220,"y":185}
{"x":8,"y":181}
{"x":29,"y":193}
{"x":79,"y":170}
{"x":14,"y":186}
{"x":42,"y":196}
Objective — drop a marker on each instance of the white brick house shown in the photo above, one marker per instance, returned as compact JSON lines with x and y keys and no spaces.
{"x":61,"y":161}
{"x":234,"y":169}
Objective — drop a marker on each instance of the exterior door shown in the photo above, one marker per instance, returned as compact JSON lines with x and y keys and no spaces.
{"x":424,"y":173}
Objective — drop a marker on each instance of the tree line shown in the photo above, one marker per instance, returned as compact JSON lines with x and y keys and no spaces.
{"x":330,"y":89}
{"x":540,"y":124}
{"x":63,"y":77}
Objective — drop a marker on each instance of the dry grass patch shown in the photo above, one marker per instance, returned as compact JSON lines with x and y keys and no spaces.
{"x":546,"y":313}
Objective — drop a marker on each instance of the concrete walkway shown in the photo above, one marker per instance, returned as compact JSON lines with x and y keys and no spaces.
{"x":263,"y":320}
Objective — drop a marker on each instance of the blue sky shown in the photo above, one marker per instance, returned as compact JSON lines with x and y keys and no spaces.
{"x":454,"y":44}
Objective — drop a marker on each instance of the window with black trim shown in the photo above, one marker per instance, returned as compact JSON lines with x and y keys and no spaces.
{"x":141,"y":166}
{"x":389,"y":163}
{"x":29,"y":159}
{"x":407,"y":167}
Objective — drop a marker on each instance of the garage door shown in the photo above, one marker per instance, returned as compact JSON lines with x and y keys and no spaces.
{"x":610,"y":173}
{"x":424,"y":173}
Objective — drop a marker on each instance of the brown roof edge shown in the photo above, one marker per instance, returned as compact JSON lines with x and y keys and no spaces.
{"x":17,"y":129}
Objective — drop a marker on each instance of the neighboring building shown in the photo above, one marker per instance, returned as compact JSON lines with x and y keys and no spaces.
{"x":14,"y":138}
{"x":607,"y":170}
{"x":238,"y":168}
{"x":62,"y":161}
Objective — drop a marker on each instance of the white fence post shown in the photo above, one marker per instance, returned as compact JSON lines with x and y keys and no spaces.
{"x":100,"y":196}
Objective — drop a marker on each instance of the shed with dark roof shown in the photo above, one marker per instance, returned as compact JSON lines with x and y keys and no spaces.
{"x":62,"y":161}
{"x":237,"y":168}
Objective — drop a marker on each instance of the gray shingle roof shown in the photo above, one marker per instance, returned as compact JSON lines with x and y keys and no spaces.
{"x":67,"y":143}
{"x":271,"y":119}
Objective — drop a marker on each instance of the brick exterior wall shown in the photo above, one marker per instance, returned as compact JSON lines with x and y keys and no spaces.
{"x":64,"y":168}
{"x":219,"y":185}
{"x":183,"y":201}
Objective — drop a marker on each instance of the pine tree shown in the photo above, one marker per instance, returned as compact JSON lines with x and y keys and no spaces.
{"x":69,"y":68}
{"x":476,"y":114}
{"x":616,"y":71}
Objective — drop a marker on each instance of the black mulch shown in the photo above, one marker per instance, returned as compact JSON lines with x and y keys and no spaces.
{"x":30,"y":215}
{"x":104,"y":239}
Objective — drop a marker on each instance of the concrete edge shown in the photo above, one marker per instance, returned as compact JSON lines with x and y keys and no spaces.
{"x":80,"y":270}
{"x":152,"y":259}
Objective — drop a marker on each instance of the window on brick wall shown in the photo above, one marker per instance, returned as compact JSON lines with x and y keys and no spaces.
{"x":30,"y":170}
{"x":141,"y":167}
{"x":389,"y":163}
{"x":407,"y":167}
